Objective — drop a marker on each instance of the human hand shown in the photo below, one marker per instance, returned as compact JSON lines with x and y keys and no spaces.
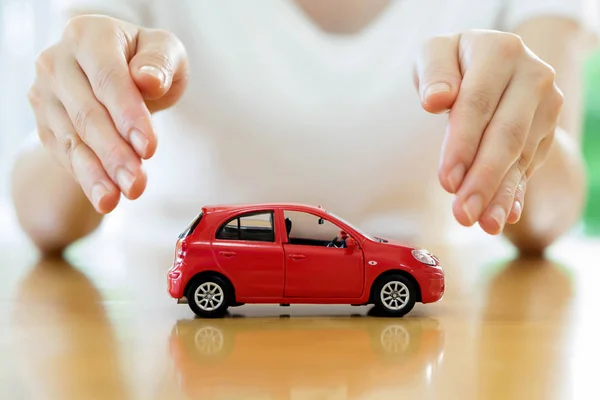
{"x":93,"y":96}
{"x":503,"y":106}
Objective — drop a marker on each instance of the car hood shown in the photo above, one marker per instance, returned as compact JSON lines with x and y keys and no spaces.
{"x":392,"y":242}
{"x":395,"y":243}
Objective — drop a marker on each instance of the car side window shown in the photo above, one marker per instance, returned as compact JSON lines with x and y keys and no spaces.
{"x":256,"y":226}
{"x":309,"y":230}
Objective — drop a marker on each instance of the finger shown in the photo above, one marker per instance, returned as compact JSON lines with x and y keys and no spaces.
{"x":159,"y":67}
{"x":39,"y":97}
{"x":541,"y":154}
{"x":544,"y":127}
{"x":495,"y":216}
{"x":81,"y":161}
{"x":481,"y":90}
{"x":508,"y":203}
{"x":503,"y":146}
{"x":102,"y":51}
{"x":519,"y":202}
{"x":437,"y":73}
{"x":95,"y":127}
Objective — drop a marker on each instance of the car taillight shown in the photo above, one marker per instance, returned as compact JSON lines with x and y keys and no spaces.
{"x":181,"y":250}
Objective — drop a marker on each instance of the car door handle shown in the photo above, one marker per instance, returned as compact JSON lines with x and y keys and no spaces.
{"x":297,"y":256}
{"x":227,"y":253}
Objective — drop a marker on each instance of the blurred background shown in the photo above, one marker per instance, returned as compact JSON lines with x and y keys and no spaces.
{"x":24,"y":27}
{"x":592,"y":142}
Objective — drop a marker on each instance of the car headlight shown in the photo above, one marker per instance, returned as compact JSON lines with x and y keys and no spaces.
{"x":423,"y":256}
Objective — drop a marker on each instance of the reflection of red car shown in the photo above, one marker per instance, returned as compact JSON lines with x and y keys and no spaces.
{"x":290,"y":253}
{"x":281,"y":358}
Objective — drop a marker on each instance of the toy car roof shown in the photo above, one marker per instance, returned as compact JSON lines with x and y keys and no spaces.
{"x":212,"y":208}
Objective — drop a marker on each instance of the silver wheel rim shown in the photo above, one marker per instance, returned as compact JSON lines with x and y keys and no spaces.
{"x":394,"y":339}
{"x":209,"y":341}
{"x":394,"y":295}
{"x":209,"y":296}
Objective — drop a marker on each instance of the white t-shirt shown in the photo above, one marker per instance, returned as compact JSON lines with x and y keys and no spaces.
{"x":279,"y":110}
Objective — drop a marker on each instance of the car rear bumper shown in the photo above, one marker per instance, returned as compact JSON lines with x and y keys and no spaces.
{"x":175,"y":284}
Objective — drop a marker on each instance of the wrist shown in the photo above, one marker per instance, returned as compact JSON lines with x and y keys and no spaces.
{"x":50,"y":207}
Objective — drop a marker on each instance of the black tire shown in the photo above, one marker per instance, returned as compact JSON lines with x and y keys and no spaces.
{"x":221,"y":291}
{"x":392,"y":283}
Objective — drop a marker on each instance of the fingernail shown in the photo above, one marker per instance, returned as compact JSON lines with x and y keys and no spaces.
{"x":155,"y":72}
{"x":518,"y":208}
{"x":472,"y":207}
{"x":455,"y":177}
{"x":125,"y":179}
{"x":138,"y":141}
{"x":499,"y":215}
{"x":98,"y":192}
{"x":436,"y":88}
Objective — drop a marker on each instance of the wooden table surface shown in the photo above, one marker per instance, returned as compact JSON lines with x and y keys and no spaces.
{"x":100,"y":325}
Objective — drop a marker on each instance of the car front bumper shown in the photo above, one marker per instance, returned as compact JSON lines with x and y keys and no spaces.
{"x":434,"y":287}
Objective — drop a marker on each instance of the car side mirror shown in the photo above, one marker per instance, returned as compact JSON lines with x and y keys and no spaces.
{"x":350,"y":243}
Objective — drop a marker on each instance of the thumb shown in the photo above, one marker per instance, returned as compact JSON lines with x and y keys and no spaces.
{"x":159,"y":68}
{"x":437,"y":73}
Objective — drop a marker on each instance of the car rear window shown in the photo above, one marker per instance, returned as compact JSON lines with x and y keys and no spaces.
{"x":191,"y":227}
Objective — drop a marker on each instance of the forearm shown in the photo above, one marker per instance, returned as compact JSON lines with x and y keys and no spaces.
{"x":554,"y":199}
{"x":51,"y":208}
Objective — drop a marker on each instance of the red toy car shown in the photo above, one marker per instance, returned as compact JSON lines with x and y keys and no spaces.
{"x":289,"y":253}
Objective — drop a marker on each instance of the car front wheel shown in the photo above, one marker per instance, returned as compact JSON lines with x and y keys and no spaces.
{"x":395,"y":296}
{"x":209,"y":297}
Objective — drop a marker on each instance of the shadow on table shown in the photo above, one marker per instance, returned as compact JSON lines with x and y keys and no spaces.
{"x":524,"y":331}
{"x":65,"y":343}
{"x":279,"y":356}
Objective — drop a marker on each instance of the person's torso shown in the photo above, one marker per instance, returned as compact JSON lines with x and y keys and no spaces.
{"x":278,"y":110}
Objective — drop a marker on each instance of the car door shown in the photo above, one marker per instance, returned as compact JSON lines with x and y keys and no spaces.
{"x":312,"y":269}
{"x":248,"y":249}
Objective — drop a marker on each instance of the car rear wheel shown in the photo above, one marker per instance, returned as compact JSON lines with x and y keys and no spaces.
{"x":395,"y":296}
{"x":209,"y":297}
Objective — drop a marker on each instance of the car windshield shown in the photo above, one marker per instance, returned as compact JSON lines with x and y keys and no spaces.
{"x":352,"y":226}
